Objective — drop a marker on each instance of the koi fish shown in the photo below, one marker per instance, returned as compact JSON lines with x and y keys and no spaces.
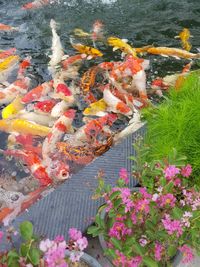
{"x":173,"y":52}
{"x":8,"y":62}
{"x":62,"y":91}
{"x":36,"y":4}
{"x":80,"y":33}
{"x":57,"y":49}
{"x":4,"y":27}
{"x":20,"y":86}
{"x":40,"y":119}
{"x":13,"y":108}
{"x":185,"y":35}
{"x":60,"y":108}
{"x":97,"y":108}
{"x":90,"y":52}
{"x":70,"y":61}
{"x":38,"y":92}
{"x":118,"y":43}
{"x":97,"y":30}
{"x":33,"y":163}
{"x":45,"y":106}
{"x":87,"y":82}
{"x":7,"y":53}
{"x":115,"y":104}
{"x":23,"y":127}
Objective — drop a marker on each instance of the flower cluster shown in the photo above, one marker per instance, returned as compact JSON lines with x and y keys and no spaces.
{"x":46,"y":252}
{"x":146,"y":227}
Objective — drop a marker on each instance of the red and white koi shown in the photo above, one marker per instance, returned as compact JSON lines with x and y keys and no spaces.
{"x":71,"y":61}
{"x":36,"y":4}
{"x":4,"y":27}
{"x":62,"y":91}
{"x":97,"y":31}
{"x":33,"y":163}
{"x":42,"y":119}
{"x":7,"y":53}
{"x":115,"y":104}
{"x":60,"y":108}
{"x":37,"y":93}
{"x":44,"y":107}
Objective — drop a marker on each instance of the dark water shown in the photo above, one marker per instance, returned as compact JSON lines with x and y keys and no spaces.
{"x":141,"y":21}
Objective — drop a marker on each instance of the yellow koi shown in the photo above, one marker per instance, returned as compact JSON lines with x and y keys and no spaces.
{"x":13,"y":108}
{"x":118,"y":43}
{"x":81,"y":33}
{"x":169,"y":51}
{"x":8,"y":62}
{"x":96,"y":108}
{"x":89,"y":51}
{"x":23,"y":127}
{"x":185,"y":35}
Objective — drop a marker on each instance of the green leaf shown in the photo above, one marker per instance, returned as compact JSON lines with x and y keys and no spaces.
{"x":129,"y":223}
{"x":168,"y":188}
{"x":24,"y":250}
{"x":117,"y":203}
{"x":116,"y":243}
{"x":172,"y":251}
{"x":13,"y":254}
{"x":114,"y":195}
{"x":13,"y":259}
{"x":149,"y":262}
{"x":138,"y":249}
{"x":26,"y":230}
{"x":34,"y":256}
{"x":177,"y":213}
{"x":13,"y":263}
{"x":120,"y":182}
{"x":94,"y":231}
{"x":163,"y":181}
{"x":110,"y":252}
{"x":111,"y":213}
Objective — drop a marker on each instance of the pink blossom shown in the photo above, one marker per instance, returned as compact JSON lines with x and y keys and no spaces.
{"x":134,"y":218}
{"x":74,"y":234}
{"x":177,"y":182}
{"x":109,"y":205}
{"x":188,"y":255}
{"x":134,"y":262}
{"x":46,"y":244}
{"x":119,"y":230}
{"x":1,"y":235}
{"x":123,"y":174}
{"x":125,"y":195}
{"x":171,"y":171}
{"x":142,"y":205}
{"x":56,"y":257}
{"x":59,"y":238}
{"x":186,"y":171}
{"x":82,"y":243}
{"x":75,"y":256}
{"x":158,"y":251}
{"x":144,"y":193}
{"x":167,"y":199}
{"x":172,"y":226}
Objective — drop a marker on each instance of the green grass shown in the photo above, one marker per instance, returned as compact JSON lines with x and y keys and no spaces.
{"x":176,"y":124}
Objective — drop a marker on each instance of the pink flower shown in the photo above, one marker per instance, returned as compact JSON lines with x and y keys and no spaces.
{"x":74,"y":234}
{"x":125,"y":195}
{"x":142,"y":205}
{"x":158,"y":251}
{"x":56,"y":257}
{"x":144,"y":193}
{"x":75,"y":256}
{"x":1,"y":235}
{"x":123,"y":174}
{"x":186,"y":171}
{"x":167,"y":199}
{"x":109,"y":205}
{"x":59,"y":238}
{"x":119,"y":230}
{"x":82,"y":243}
{"x":46,"y":244}
{"x":172,"y":226}
{"x":188,"y":255}
{"x":171,"y":171}
{"x":134,"y":218}
{"x":134,"y":262}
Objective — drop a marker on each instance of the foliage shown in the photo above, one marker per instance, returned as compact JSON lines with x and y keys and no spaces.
{"x":175,"y":124}
{"x":147,"y":229}
{"x":34,"y":251}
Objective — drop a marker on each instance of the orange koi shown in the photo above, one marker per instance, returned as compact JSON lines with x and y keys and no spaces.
{"x":173,"y":52}
{"x":97,"y":30}
{"x":36,"y":4}
{"x":38,"y":92}
{"x":185,"y":35}
{"x":33,"y":163}
{"x":70,"y":61}
{"x":87,"y":82}
{"x":118,"y":43}
{"x":91,"y":52}
{"x":4,"y":27}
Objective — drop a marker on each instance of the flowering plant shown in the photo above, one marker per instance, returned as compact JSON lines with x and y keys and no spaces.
{"x":37,"y":252}
{"x":147,"y":229}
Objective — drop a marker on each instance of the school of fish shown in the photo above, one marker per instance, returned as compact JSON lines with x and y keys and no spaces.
{"x":41,"y":121}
